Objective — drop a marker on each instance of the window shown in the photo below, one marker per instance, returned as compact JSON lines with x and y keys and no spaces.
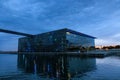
{"x":68,"y":33}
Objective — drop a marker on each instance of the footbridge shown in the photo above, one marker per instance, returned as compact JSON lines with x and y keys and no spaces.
{"x":16,"y":33}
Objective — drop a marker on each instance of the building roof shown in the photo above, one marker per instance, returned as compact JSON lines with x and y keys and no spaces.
{"x":78,"y":33}
{"x":69,"y":30}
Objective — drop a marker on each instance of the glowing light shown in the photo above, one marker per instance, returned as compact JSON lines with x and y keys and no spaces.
{"x":68,"y":33}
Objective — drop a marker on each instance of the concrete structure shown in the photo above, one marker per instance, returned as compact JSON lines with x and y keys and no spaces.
{"x":55,"y":41}
{"x":16,"y":33}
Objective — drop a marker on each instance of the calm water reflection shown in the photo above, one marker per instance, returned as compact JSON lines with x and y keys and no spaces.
{"x":62,"y":67}
{"x":43,"y":67}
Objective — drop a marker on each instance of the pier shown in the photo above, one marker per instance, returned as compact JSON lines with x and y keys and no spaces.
{"x":95,"y":53}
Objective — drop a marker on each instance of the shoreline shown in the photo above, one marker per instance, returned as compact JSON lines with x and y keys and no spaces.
{"x":8,"y":52}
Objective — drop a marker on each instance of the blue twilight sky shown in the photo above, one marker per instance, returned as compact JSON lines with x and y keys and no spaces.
{"x":99,"y":18}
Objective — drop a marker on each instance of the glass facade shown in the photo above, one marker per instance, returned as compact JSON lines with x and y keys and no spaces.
{"x":78,"y":40}
{"x":46,"y":42}
{"x":54,"y":41}
{"x":51,"y":41}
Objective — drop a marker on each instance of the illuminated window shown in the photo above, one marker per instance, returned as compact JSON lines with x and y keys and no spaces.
{"x":68,"y":33}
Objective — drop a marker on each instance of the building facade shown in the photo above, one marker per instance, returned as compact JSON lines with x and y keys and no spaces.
{"x":55,"y":41}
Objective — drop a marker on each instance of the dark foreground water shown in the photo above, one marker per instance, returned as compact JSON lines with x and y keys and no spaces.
{"x":36,"y":67}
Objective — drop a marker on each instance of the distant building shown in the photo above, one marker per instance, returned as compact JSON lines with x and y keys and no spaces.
{"x":55,"y":41}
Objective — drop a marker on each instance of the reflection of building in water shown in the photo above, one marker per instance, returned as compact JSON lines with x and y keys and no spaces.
{"x":81,"y":65}
{"x":59,"y":40}
{"x":55,"y":66}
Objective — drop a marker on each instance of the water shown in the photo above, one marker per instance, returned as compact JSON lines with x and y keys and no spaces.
{"x":36,"y":67}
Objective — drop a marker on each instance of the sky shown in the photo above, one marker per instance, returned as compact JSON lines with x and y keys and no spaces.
{"x":99,"y":18}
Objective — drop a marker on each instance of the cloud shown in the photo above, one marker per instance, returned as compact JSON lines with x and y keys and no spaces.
{"x":105,"y":42}
{"x":97,"y":18}
{"x":116,"y":35}
{"x":32,"y":8}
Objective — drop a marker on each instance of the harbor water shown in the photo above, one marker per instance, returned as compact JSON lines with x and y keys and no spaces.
{"x":43,"y":67}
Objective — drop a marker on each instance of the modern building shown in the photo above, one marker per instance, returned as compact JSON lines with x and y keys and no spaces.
{"x":55,"y":41}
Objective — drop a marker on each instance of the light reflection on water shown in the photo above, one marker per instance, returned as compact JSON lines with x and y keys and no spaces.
{"x":35,"y":67}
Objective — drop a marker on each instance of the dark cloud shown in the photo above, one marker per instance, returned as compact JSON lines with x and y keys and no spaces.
{"x":37,"y":16}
